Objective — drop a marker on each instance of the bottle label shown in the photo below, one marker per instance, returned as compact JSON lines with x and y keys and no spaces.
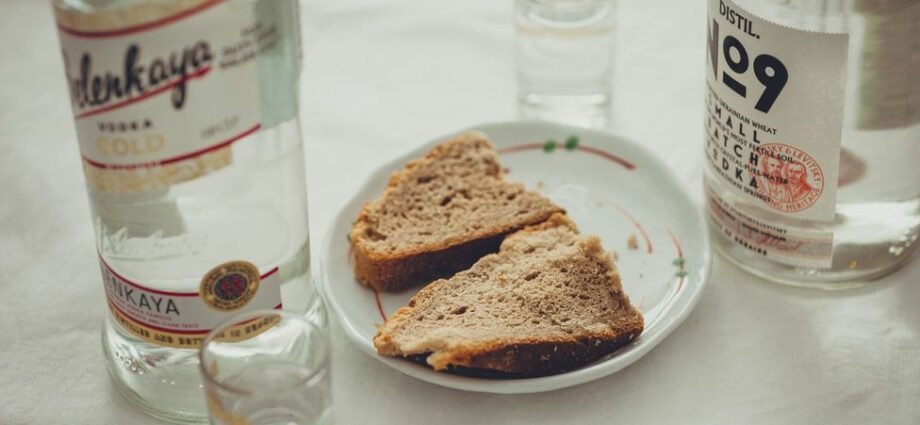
{"x":183,"y":319}
{"x":774,"y":114}
{"x":160,"y":91}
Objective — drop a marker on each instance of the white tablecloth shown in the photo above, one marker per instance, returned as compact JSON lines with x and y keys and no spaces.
{"x":381,"y":77}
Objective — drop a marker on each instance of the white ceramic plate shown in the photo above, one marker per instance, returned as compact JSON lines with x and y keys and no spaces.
{"x":611,"y":188}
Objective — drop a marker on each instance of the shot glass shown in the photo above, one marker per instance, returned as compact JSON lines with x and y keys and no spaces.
{"x":564,"y":51}
{"x":267,"y":367}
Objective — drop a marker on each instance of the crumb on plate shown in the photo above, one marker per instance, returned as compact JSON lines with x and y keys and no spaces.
{"x":632,"y":242}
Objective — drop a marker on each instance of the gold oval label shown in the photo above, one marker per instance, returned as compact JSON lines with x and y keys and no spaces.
{"x":230,"y":286}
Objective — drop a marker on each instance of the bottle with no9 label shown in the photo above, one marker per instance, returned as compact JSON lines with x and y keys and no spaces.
{"x":813,"y":137}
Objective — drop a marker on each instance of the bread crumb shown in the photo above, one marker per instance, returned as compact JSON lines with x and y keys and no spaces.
{"x":615,"y":255}
{"x":540,"y":185}
{"x":632,"y":243}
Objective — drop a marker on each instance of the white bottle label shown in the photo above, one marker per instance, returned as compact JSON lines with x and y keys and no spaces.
{"x":774,"y":114}
{"x":160,"y":92}
{"x":183,"y":319}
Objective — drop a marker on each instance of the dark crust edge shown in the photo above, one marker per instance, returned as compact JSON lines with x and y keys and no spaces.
{"x":396,"y":274}
{"x":531,"y":360}
{"x":400,"y":273}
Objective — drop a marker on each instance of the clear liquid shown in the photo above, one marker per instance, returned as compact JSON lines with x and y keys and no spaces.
{"x":253,"y":210}
{"x":564,"y":53}
{"x":282,"y":394}
{"x":877,"y":223}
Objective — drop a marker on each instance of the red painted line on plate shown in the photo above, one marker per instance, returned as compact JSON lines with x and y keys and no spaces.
{"x":589,"y":149}
{"x":607,"y":155}
{"x":669,"y":303}
{"x":142,"y":27}
{"x":519,"y":148}
{"x":638,"y":226}
{"x":379,"y":305}
{"x":269,"y":273}
{"x":680,"y":255}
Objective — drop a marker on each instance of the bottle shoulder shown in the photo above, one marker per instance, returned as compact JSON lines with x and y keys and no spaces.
{"x":825,"y":16}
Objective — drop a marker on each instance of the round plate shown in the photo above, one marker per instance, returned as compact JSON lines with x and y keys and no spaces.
{"x":610,"y":187}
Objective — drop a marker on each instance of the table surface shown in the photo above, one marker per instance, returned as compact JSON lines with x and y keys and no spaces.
{"x":380,"y":78}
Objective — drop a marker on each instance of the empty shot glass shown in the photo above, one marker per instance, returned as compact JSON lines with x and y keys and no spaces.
{"x":267,"y":367}
{"x":564,"y":52}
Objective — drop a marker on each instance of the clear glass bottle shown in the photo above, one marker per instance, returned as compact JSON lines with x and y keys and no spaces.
{"x":813,"y":137}
{"x":186,"y":114}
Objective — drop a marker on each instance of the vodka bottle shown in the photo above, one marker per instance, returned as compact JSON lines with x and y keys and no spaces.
{"x":813,"y":137}
{"x":186,"y":115}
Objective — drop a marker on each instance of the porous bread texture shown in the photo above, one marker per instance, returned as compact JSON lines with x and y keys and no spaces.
{"x":548,"y":302}
{"x":440,"y":214}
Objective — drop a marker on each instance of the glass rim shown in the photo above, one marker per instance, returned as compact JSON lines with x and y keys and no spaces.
{"x":237,"y":319}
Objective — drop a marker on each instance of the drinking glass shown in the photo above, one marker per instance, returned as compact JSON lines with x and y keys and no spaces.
{"x":564,"y":56}
{"x":267,"y":367}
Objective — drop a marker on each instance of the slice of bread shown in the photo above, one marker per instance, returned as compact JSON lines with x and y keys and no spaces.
{"x":548,"y":302}
{"x":440,"y":214}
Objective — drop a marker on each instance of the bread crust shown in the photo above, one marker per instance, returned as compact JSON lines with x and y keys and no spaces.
{"x":533,"y":358}
{"x":400,"y":272}
{"x":526,"y":356}
{"x":421,"y":264}
{"x":520,"y":358}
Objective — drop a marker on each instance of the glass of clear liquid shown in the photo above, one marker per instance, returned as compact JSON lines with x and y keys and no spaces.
{"x":267,"y":367}
{"x":564,"y":52}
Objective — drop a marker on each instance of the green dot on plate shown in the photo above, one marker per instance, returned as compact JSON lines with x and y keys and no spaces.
{"x":571,"y":143}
